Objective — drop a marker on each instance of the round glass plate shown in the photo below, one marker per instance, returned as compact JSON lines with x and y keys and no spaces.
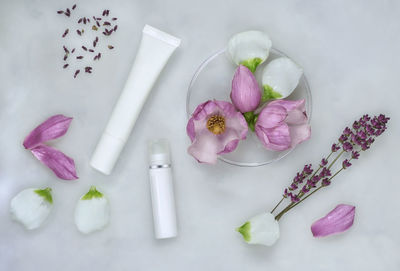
{"x":213,"y":80}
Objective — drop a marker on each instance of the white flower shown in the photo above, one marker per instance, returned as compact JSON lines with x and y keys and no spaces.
{"x":92,"y":211}
{"x":249,"y":48}
{"x":280,"y":77}
{"x":261,"y":229}
{"x":31,"y":206}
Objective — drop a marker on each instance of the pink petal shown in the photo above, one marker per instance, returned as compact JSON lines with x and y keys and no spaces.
{"x":290,"y":105}
{"x":271,"y":116}
{"x":54,"y":127}
{"x":62,"y":165}
{"x":299,"y":133}
{"x":296,"y":117}
{"x":276,"y":139}
{"x":190,"y":129}
{"x":205,"y":148}
{"x":245,"y":93}
{"x":338,"y":220}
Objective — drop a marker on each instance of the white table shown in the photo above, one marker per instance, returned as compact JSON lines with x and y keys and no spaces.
{"x":350,"y":54}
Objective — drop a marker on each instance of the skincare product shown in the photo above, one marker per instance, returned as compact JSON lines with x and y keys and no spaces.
{"x":161,"y":188}
{"x":154,"y":51}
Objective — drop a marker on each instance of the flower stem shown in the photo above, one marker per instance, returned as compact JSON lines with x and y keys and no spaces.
{"x":276,"y":206}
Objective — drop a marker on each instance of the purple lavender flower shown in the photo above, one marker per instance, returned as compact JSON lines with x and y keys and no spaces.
{"x":347,"y":131}
{"x":346,"y":164}
{"x":324,"y":162}
{"x":355,"y":155}
{"x":335,"y":147}
{"x":347,"y":146}
{"x":325,"y":182}
{"x":343,"y":138}
{"x":325,"y":172}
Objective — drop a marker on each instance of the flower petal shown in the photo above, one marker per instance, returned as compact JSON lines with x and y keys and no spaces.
{"x":338,"y":220}
{"x":206,"y":147}
{"x":276,"y":139}
{"x":62,"y":165}
{"x":296,"y":117}
{"x":245,"y":93}
{"x":299,"y":133}
{"x":271,"y":116}
{"x":290,"y":105}
{"x":54,"y":127}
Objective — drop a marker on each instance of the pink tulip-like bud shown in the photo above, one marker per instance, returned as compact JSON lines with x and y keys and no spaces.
{"x":245,"y":94}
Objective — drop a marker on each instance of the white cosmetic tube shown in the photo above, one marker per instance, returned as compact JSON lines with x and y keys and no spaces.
{"x":154,"y":51}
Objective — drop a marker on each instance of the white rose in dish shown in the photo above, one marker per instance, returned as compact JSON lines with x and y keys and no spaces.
{"x":92,"y":211}
{"x":250,"y":48}
{"x":31,"y":207}
{"x":280,"y":77}
{"x":261,"y":229}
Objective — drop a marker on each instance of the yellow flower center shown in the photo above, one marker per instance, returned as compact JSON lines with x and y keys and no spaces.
{"x":216,"y":124}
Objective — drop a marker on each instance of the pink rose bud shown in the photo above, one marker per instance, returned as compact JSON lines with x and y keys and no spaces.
{"x":245,"y":94}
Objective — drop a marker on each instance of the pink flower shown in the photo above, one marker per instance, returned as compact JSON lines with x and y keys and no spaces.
{"x":245,"y":94}
{"x":282,"y":125}
{"x":215,"y":128}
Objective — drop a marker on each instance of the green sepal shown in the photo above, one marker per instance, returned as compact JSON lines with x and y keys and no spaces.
{"x":45,"y":194}
{"x":251,"y":119}
{"x":93,"y":193}
{"x":251,"y":64}
{"x":269,"y":93}
{"x":245,"y":231}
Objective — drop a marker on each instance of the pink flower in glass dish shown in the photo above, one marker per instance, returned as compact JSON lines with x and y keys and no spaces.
{"x":245,"y":94}
{"x":282,"y":124}
{"x":215,"y":128}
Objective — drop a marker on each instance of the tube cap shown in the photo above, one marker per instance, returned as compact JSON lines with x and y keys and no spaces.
{"x":159,"y":153}
{"x":106,"y":154}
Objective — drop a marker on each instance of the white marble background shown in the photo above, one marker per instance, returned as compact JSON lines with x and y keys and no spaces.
{"x":350,"y":53}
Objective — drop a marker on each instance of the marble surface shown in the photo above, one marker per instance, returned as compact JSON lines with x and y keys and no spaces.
{"x":349,"y":51}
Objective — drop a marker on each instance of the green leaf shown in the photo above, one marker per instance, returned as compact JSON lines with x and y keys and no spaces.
{"x":251,"y":119}
{"x":93,"y":193}
{"x":245,"y":231}
{"x":269,"y":93}
{"x":45,"y":194}
{"x":251,"y":64}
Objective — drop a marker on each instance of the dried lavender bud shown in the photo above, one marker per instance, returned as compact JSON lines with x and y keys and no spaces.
{"x":65,"y":32}
{"x":65,"y":66}
{"x":94,"y":28}
{"x":97,"y":23}
{"x":65,"y":49}
{"x":67,"y":14}
{"x":104,"y":12}
{"x":95,"y":57}
{"x":115,"y":28}
{"x":60,"y":12}
{"x":97,"y":39}
{"x":88,"y":20}
{"x":79,"y":57}
{"x":104,"y":33}
{"x":79,"y":32}
{"x":110,"y":47}
{"x":84,"y":20}
{"x":98,"y":18}
{"x":76,"y":73}
{"x":91,"y":50}
{"x":68,"y":11}
{"x":99,"y":55}
{"x":107,"y":12}
{"x":80,"y":20}
{"x":114,"y":19}
{"x":74,"y":6}
{"x":73,"y":50}
{"x":65,"y":57}
{"x":106,"y":23}
{"x":88,"y":69}
{"x":84,"y":48}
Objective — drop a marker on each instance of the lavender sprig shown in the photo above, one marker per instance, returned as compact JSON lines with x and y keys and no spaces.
{"x":359,"y":137}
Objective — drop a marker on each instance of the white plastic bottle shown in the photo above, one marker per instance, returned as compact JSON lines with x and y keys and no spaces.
{"x":161,"y":188}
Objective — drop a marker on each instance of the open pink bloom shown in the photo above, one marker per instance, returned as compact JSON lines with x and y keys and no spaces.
{"x":281,"y":125}
{"x":338,"y":220}
{"x":215,"y":128}
{"x":245,"y":94}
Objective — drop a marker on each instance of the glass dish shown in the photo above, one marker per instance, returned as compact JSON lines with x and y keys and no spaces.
{"x":212,"y":80}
